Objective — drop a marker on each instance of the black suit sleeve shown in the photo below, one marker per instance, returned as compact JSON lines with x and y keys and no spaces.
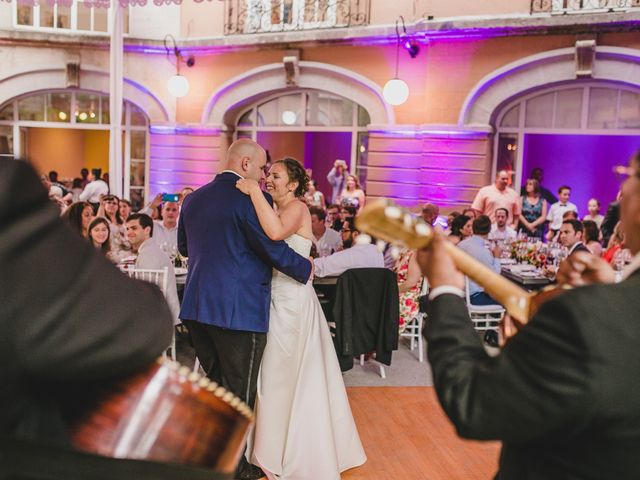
{"x":538,"y":383}
{"x":68,"y":313}
{"x":182,"y":232}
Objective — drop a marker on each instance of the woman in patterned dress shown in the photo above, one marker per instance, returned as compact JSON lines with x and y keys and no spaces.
{"x":409,"y":286}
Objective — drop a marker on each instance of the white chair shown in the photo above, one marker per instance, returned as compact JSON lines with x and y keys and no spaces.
{"x":484,"y":317}
{"x":160,"y":278}
{"x":413,"y":330}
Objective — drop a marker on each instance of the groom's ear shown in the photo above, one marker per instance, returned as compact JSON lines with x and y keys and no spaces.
{"x":245,"y":163}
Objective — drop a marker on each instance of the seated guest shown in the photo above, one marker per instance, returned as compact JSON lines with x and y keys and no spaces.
{"x":409,"y":286}
{"x":570,"y":215}
{"x":314,"y":197}
{"x":346,"y":212}
{"x":557,"y":210}
{"x":500,"y":230}
{"x":616,"y":243}
{"x":431,"y":215}
{"x":450,"y":219}
{"x":476,"y":247}
{"x":591,"y":236}
{"x":594,"y":212}
{"x":151,"y":257}
{"x":99,"y":236}
{"x":78,"y":216}
{"x":571,"y":233}
{"x":326,"y":240}
{"x":470,"y":212}
{"x":124,"y":207}
{"x":333,"y":217}
{"x":165,"y":230}
{"x":461,"y":228}
{"x":110,"y":210}
{"x":354,"y":255}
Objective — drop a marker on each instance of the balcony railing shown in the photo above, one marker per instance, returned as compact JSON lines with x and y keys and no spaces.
{"x":581,"y":6}
{"x":261,"y":16}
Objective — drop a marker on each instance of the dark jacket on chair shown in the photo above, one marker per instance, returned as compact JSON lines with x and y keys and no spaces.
{"x":367,"y":313}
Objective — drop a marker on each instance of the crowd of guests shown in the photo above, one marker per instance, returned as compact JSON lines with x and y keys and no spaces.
{"x":497,"y":216}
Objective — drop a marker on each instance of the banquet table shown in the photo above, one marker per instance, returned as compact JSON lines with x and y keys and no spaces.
{"x":528,"y":278}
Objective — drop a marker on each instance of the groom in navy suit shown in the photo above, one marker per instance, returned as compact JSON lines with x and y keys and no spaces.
{"x":228,"y":289}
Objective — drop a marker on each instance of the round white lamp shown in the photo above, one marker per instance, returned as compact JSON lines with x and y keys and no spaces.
{"x":395,"y":91}
{"x":289,"y":117}
{"x":178,"y":86}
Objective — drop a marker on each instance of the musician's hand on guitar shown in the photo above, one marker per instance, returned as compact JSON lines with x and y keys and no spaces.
{"x":437,"y":265}
{"x":582,"y":268}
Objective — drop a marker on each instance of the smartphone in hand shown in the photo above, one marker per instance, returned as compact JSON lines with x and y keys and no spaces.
{"x":170,"y":197}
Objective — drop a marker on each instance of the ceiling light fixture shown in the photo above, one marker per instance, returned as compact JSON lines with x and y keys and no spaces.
{"x":396,"y":90}
{"x":177,"y":84}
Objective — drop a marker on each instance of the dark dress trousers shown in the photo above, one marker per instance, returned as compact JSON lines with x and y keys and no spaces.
{"x":564,"y":394}
{"x":69,"y":318}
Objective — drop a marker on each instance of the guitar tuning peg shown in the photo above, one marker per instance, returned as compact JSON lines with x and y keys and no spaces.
{"x":381,"y":245}
{"x":393,"y":212}
{"x":395,"y":252}
{"x":363,"y":239}
{"x":408,"y":220}
{"x":423,"y":229}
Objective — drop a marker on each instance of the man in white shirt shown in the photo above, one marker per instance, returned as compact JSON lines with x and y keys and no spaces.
{"x":557,"y":211}
{"x":354,"y":255}
{"x":150,"y":256}
{"x":500,"y":230}
{"x":165,"y":231}
{"x":95,"y":189}
{"x":326,"y":240}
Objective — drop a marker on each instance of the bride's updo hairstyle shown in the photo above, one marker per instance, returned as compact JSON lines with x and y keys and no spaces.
{"x":296,"y":173}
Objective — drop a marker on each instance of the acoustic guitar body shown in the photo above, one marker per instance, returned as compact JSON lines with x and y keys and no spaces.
{"x":164,"y":414}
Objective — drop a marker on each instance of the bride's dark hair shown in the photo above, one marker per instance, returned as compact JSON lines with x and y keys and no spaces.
{"x":296,"y":173}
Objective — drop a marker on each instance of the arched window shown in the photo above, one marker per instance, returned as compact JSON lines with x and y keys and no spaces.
{"x":594,"y":108}
{"x":79,"y":110}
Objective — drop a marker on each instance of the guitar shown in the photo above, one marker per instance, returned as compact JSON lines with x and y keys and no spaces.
{"x":387,"y":221}
{"x":164,"y":413}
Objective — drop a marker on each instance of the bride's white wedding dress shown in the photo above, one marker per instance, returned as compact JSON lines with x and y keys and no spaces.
{"x":304,"y":428}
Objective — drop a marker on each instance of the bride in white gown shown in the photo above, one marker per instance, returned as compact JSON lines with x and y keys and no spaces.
{"x":304,"y":428}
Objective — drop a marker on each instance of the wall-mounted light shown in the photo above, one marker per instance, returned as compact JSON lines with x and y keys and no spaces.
{"x":396,"y":90}
{"x":177,"y":84}
{"x":289,"y":117}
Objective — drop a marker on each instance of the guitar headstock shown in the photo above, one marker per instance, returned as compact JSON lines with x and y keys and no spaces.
{"x":385,"y":220}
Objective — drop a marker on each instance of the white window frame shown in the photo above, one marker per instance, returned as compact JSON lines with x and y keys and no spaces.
{"x":560,"y":7}
{"x":520,"y":130}
{"x":255,"y":128}
{"x":73,"y":27}
{"x":18,"y":125}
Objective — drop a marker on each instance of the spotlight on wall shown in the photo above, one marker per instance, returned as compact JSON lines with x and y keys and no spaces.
{"x":177,"y":84}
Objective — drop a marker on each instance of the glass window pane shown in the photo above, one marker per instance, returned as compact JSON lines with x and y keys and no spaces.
{"x":244,"y":135}
{"x":363,"y":117}
{"x":602,"y":108}
{"x":87,"y":108}
{"x":362,"y":158}
{"x":539,"y":111}
{"x":25,"y":15}
{"x":136,"y":197}
{"x":58,"y":107}
{"x":629,"y":114}
{"x":138,"y":145}
{"x":125,"y":20}
{"x":281,"y":111}
{"x":84,"y":16}
{"x":6,"y":112}
{"x":46,"y":15}
{"x":246,"y":120}
{"x":6,"y":140}
{"x":137,"y":174}
{"x":507,"y":148}
{"x":137,"y":116}
{"x":568,"y":108}
{"x":512,"y":117}
{"x":100,"y":19}
{"x":31,"y":108}
{"x":104,"y":101}
{"x":63,"y":18}
{"x":324,"y":109}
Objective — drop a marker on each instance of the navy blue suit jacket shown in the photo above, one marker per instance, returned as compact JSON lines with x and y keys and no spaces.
{"x":230,"y":258}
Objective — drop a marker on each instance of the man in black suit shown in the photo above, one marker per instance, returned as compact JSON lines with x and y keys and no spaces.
{"x":564,"y":394}
{"x":69,"y":320}
{"x":570,"y":236}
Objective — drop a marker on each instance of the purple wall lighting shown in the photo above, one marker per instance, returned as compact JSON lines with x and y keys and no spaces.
{"x":584,"y":162}
{"x":321,"y":149}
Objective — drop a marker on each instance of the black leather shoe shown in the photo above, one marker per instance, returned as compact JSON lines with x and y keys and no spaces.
{"x":491,"y":338}
{"x":249,"y":472}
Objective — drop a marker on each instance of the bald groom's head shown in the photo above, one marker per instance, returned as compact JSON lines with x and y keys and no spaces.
{"x":247,"y":158}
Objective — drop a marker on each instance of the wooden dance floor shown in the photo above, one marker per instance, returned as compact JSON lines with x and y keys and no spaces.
{"x":407,"y":436}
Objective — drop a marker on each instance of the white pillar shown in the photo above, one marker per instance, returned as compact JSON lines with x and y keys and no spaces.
{"x":116,"y":175}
